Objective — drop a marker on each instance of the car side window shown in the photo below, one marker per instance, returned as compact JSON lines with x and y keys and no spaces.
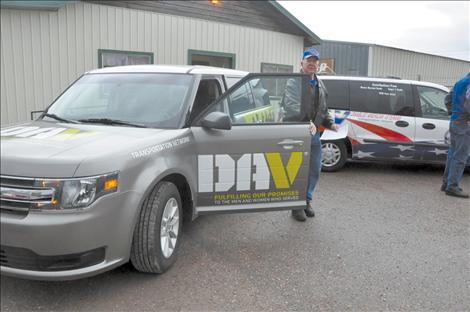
{"x":230,"y":81}
{"x":241,"y":100}
{"x":265,"y":99}
{"x":338,"y":94}
{"x":432,"y":103}
{"x":207,"y":92}
{"x":381,"y":98}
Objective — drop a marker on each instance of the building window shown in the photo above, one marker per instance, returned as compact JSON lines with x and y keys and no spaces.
{"x":276,"y":86}
{"x":276,"y":68}
{"x":110,"y":58}
{"x":208,"y":58}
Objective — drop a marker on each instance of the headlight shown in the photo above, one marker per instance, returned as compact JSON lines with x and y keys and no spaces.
{"x":77,"y":193}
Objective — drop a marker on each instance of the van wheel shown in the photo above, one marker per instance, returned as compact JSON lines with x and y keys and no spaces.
{"x":334,"y":155}
{"x":157,"y":233}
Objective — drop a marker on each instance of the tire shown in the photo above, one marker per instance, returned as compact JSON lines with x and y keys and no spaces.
{"x":334,"y":155}
{"x":156,"y":241}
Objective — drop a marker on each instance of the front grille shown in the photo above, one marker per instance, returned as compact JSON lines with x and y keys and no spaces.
{"x":13,"y":181}
{"x":25,"y":259}
{"x":19,"y":195}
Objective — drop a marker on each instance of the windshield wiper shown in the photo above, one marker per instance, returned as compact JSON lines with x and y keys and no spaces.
{"x":107,"y":121}
{"x":54,"y":116}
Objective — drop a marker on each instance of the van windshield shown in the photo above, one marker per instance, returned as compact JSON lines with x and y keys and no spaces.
{"x":152,"y":100}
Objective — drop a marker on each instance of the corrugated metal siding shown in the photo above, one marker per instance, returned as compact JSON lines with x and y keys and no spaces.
{"x":351,"y":59}
{"x":42,"y":52}
{"x":416,"y":66}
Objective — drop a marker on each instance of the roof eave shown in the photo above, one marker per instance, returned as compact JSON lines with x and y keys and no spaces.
{"x":34,"y":5}
{"x":309,"y":35}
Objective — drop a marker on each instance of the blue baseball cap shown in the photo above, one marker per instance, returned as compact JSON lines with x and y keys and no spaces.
{"x":311,"y":52}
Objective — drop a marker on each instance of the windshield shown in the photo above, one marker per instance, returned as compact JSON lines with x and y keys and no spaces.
{"x":153,"y":100}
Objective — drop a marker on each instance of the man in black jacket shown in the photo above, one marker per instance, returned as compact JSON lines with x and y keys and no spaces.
{"x":318,"y":116}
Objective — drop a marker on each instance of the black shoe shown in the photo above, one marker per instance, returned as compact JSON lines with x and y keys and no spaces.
{"x":309,"y":212}
{"x":444,"y":186}
{"x":299,"y":215}
{"x":457,"y":192}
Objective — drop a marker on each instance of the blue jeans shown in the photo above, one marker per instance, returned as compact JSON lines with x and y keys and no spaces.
{"x":315,"y":165}
{"x":458,"y":152}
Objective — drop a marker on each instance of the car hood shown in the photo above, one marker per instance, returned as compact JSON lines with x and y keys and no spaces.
{"x":51,"y":150}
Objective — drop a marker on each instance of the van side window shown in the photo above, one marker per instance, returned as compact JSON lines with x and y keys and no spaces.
{"x":338,"y":94}
{"x":381,"y":98}
{"x":432,"y":103}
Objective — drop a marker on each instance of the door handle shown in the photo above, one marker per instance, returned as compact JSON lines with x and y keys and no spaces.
{"x":402,"y":123}
{"x":429,"y":126}
{"x":289,"y":144}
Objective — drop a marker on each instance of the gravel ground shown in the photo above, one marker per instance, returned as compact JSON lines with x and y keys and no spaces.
{"x":384,"y":238}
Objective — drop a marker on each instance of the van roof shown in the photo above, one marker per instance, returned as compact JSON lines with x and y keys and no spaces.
{"x":386,"y":80}
{"x":170,"y":69}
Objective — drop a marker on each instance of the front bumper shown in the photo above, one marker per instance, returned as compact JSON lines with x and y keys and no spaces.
{"x":69,"y":245}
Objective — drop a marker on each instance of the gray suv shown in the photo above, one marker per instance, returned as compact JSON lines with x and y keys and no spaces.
{"x":108,"y":172}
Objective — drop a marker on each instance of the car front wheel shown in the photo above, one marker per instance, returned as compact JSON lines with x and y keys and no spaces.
{"x":334,"y":155}
{"x":156,"y":235}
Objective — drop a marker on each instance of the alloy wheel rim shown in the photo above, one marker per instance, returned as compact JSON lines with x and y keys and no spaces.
{"x":331,"y":154}
{"x":169,"y":228}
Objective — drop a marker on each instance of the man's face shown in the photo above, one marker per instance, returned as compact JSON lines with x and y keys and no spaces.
{"x":310,"y":65}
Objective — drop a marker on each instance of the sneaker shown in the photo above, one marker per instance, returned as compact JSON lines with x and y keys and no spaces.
{"x":299,"y":215}
{"x":443,"y":186}
{"x":457,"y":192}
{"x":309,"y":212}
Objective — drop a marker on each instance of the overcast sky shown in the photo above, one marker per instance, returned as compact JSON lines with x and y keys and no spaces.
{"x":435,"y":27}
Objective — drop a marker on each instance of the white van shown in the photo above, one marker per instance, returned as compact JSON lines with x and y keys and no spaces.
{"x":386,"y":120}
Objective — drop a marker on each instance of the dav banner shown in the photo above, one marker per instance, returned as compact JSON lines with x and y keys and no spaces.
{"x":252,"y":178}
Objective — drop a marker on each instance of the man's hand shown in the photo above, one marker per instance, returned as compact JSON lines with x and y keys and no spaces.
{"x":312,"y":128}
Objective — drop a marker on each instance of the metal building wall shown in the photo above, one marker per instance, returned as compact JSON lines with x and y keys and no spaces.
{"x":42,"y":52}
{"x":351,"y":59}
{"x":386,"y":61}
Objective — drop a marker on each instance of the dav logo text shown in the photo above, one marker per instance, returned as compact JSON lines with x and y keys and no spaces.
{"x":219,"y":173}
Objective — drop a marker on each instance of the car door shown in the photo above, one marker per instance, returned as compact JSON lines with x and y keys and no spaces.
{"x":382,"y":120}
{"x":261,"y":162}
{"x":432,"y":125}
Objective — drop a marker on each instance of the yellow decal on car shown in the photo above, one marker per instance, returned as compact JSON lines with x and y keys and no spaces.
{"x":38,"y":133}
{"x":263,"y":114}
{"x":279,"y":172}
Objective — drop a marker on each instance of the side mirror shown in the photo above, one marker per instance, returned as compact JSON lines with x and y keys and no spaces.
{"x":217,"y":120}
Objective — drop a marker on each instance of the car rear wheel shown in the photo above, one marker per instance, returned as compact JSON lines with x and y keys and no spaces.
{"x":334,"y":155}
{"x":156,"y":235}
